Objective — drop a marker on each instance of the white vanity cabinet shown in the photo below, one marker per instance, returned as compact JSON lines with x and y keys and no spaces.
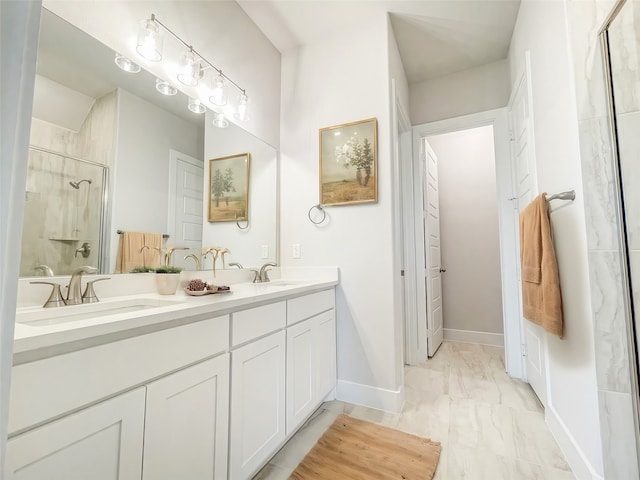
{"x":311,"y":354}
{"x":257,"y":425}
{"x":102,"y":442}
{"x":186,"y":423}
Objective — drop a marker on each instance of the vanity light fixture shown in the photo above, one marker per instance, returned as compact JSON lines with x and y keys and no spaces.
{"x":191,"y":71}
{"x":165,"y":87}
{"x":196,"y":106}
{"x":219,"y":96}
{"x":243,"y":108}
{"x":194,"y":65}
{"x":150,"y":40}
{"x":126,"y":64}
{"x":219,"y":120}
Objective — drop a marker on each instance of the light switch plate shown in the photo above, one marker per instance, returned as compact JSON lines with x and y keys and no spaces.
{"x":264,"y":251}
{"x":295,"y":250}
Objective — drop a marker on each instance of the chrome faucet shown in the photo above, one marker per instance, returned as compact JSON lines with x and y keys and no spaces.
{"x":263,"y":275}
{"x":46,"y":269}
{"x":236,"y":264}
{"x":74,"y":293}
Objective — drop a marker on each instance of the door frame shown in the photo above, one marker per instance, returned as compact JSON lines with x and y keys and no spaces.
{"x":507,"y":227}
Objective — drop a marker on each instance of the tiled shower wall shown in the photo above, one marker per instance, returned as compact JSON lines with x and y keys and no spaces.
{"x":611,"y":322}
{"x":59,"y":218}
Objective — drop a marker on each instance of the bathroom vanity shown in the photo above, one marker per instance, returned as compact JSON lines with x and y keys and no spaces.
{"x":177,"y":387}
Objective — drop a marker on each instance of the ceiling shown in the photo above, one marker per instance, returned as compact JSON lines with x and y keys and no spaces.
{"x":435,"y":37}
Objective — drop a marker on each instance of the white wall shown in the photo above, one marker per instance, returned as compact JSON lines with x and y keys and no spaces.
{"x":145,"y":134}
{"x":572,"y":412}
{"x":470,"y":91}
{"x":471,"y":286}
{"x":325,"y":84}
{"x":220,"y":31}
{"x":245,"y":245}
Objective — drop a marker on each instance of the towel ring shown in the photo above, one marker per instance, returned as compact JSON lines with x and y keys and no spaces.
{"x":324,"y":214}
{"x":238,"y":223}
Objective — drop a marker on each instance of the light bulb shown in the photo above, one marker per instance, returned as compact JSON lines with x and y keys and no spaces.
{"x":219,"y":96}
{"x":191,"y":70}
{"x":196,"y":106}
{"x":165,"y":87}
{"x":150,"y":40}
{"x":126,"y":64}
{"x":243,"y":108}
{"x":219,"y":120}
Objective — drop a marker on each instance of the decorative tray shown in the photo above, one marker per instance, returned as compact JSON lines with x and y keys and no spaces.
{"x":199,"y":293}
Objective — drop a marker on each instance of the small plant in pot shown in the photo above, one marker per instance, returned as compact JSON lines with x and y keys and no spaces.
{"x":167,"y":279}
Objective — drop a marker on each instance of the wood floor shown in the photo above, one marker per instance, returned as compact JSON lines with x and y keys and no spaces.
{"x":490,"y":426}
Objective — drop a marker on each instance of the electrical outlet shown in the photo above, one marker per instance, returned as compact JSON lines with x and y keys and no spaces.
{"x":264,"y":251}
{"x":295,"y":250}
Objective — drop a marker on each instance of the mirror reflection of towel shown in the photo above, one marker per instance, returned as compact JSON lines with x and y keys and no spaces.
{"x":129,"y":254}
{"x":541,"y":296}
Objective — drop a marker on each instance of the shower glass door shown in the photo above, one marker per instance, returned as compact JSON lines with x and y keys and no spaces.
{"x":64,"y":214}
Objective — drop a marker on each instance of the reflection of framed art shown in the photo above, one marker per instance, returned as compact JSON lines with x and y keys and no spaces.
{"x":349,"y":163}
{"x":229,"y":188}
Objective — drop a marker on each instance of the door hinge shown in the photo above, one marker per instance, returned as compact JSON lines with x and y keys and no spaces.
{"x":402,"y":273}
{"x":524,"y":349}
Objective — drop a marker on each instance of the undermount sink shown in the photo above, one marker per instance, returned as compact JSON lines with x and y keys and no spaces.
{"x":73,"y":313}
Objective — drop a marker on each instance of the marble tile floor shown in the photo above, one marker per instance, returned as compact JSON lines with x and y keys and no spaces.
{"x":490,"y":425}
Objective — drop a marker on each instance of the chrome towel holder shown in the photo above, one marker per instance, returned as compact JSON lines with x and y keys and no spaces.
{"x":324,"y":214}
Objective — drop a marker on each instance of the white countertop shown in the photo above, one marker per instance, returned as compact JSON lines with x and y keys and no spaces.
{"x":88,"y":330}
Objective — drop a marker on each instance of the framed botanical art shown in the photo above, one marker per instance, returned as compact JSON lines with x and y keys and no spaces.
{"x":229,"y":188}
{"x":349,"y":163}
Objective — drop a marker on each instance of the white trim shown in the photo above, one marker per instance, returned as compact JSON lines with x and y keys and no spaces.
{"x":469,"y":336}
{"x":372,"y":397}
{"x":510,"y":304}
{"x":577,"y":460}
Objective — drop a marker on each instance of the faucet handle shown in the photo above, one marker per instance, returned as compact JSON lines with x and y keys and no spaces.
{"x":55,"y":298}
{"x":89,"y":295}
{"x":256,"y":276}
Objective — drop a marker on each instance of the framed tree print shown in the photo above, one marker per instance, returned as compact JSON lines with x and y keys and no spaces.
{"x":349,"y":163}
{"x":229,"y":188}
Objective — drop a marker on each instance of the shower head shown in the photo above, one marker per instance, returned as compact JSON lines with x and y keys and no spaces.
{"x":76,"y":185}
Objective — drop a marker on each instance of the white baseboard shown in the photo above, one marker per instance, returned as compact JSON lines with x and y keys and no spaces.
{"x":469,"y":336}
{"x":579,"y":463}
{"x":372,"y":397}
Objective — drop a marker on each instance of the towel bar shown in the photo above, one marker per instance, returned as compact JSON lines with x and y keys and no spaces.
{"x":120,"y":232}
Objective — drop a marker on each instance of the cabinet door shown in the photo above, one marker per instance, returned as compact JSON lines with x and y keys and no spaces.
{"x":325,"y":341}
{"x":102,"y":442}
{"x":301,"y":373}
{"x":186,"y":424}
{"x":257,"y":404}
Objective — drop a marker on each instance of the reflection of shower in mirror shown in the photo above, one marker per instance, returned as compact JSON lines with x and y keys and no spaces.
{"x":76,"y":185}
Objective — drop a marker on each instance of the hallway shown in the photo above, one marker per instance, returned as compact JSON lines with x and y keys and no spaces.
{"x":490,"y":426}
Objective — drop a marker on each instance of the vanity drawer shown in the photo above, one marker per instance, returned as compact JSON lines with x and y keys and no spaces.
{"x":256,"y":322}
{"x":51,"y":387}
{"x":301,"y":308}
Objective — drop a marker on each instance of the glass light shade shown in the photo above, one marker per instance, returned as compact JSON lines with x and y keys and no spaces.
{"x":190,"y":70}
{"x":243,"y":108}
{"x":219,"y":120}
{"x":126,"y":64}
{"x":165,"y":87}
{"x":219,"y":96}
{"x":150,"y":41}
{"x":196,"y":106}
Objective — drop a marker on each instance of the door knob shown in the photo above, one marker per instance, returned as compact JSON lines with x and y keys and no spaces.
{"x":442,"y":270}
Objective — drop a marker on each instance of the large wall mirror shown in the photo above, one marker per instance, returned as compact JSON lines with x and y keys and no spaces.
{"x":621,"y":41}
{"x":109,"y":153}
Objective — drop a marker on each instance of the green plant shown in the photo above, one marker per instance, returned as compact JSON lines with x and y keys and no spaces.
{"x":167,"y":269}
{"x":221,"y":184}
{"x":140,"y":269}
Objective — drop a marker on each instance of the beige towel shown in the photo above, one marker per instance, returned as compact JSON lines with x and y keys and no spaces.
{"x":129,"y":254}
{"x":541,"y":297}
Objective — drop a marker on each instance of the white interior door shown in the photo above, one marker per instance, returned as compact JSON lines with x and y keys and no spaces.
{"x":433,"y":265}
{"x":525,"y":189}
{"x":186,"y":207}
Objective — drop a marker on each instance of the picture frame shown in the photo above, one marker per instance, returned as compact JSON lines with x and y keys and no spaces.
{"x":228,"y":194}
{"x":349,"y":163}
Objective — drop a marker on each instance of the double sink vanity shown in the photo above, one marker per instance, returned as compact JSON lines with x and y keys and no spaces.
{"x":148,"y":386}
